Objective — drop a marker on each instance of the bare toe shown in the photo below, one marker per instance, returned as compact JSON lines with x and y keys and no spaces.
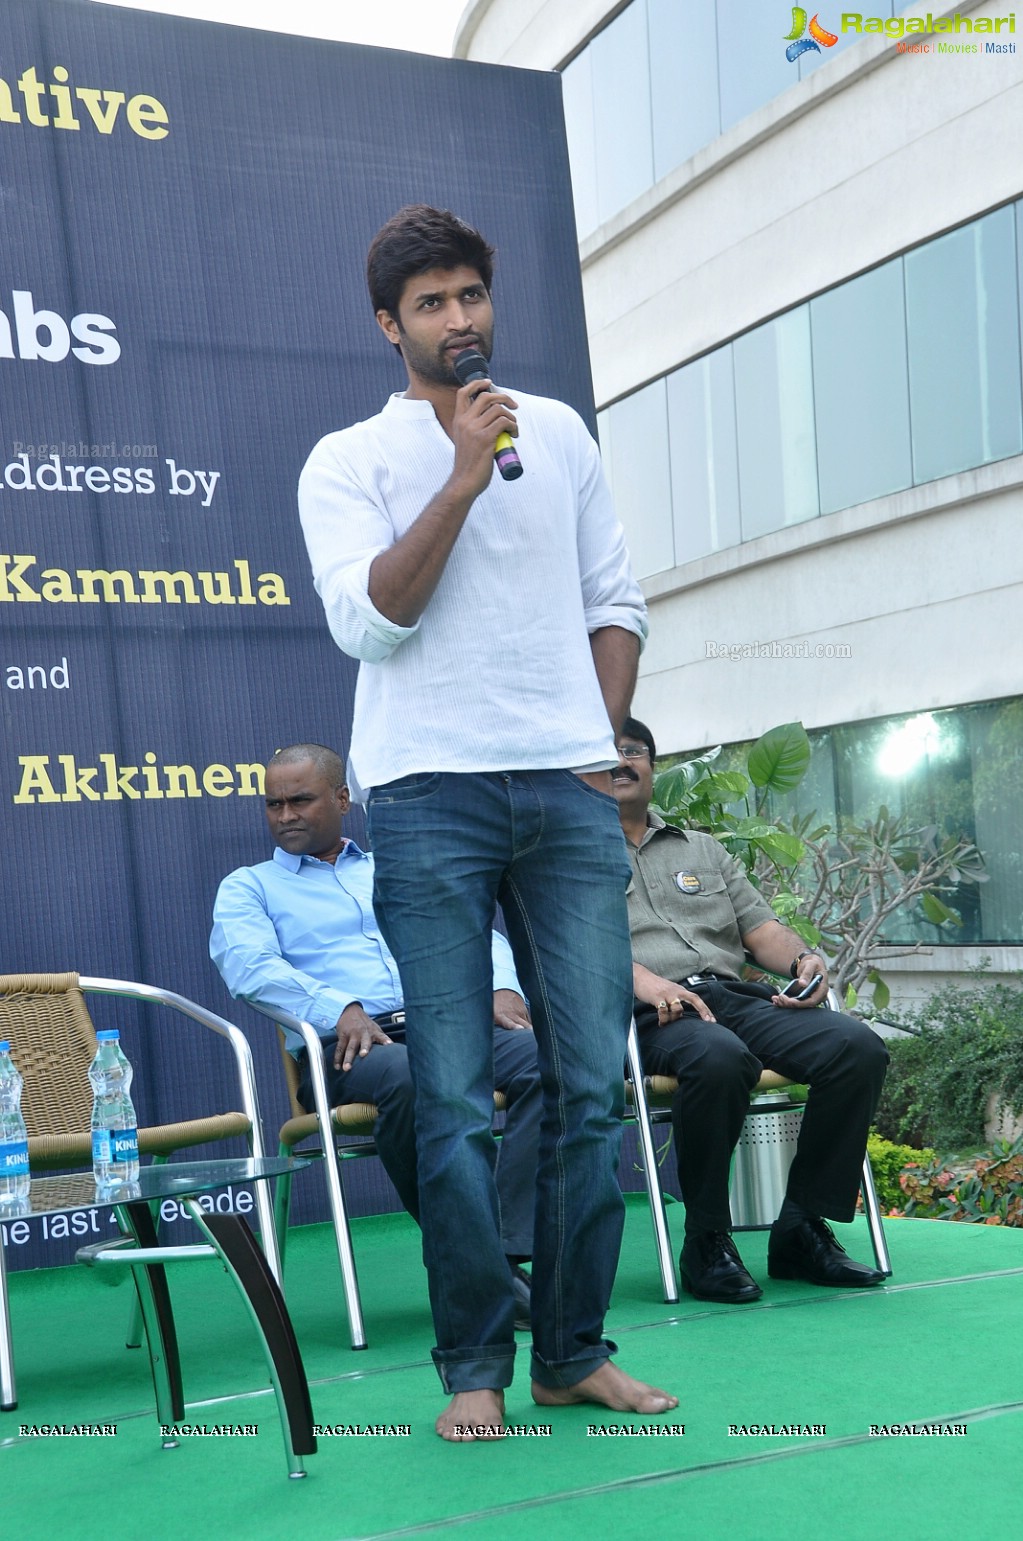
{"x":608,"y":1386}
{"x":472,"y":1415}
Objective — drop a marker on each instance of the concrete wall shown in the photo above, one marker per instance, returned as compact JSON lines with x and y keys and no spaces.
{"x":874,"y":152}
{"x":924,"y":588}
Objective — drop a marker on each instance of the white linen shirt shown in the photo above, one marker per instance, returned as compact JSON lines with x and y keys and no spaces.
{"x":497,"y":674}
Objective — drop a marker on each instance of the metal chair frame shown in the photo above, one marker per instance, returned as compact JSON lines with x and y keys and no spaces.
{"x":332,"y":1120}
{"x":332,"y":1169}
{"x":638,"y":1089}
{"x":254,"y":1136}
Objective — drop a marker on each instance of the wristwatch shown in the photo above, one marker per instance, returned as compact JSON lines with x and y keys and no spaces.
{"x":794,"y":965}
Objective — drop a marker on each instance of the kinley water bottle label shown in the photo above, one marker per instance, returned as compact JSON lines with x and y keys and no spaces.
{"x":101,"y":1145}
{"x":14,"y":1159}
{"x":125,"y":1144}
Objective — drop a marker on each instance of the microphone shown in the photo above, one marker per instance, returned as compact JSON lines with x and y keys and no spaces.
{"x":470,"y":365}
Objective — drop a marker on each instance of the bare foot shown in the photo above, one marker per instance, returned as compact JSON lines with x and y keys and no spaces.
{"x":472,"y":1415}
{"x":610,"y":1387}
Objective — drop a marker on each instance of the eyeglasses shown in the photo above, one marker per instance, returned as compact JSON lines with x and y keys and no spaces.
{"x":633,"y":751}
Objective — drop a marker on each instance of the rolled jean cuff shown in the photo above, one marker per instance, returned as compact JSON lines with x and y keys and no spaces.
{"x":570,"y":1372}
{"x":489,"y":1368}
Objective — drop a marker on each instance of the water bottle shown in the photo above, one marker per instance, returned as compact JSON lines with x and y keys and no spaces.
{"x":14,"y":1173}
{"x":115,"y":1136}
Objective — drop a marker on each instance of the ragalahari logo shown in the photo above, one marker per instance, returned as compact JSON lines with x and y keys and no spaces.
{"x":798,"y":44}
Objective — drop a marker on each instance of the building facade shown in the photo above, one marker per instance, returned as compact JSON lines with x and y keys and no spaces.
{"x":802,"y":252}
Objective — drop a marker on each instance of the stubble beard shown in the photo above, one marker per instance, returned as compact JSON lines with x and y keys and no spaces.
{"x":435,"y":366}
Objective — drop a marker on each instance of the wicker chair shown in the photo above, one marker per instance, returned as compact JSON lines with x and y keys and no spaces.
{"x":650,"y":1099}
{"x":53,"y":1043}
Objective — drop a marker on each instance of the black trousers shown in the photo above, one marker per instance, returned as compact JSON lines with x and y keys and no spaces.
{"x":717,"y":1064}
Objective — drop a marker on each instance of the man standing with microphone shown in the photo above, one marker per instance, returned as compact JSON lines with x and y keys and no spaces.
{"x":499,"y":627}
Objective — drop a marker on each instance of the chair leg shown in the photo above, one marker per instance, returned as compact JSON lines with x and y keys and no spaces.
{"x":873,"y":1212}
{"x":238,"y":1250}
{"x":133,"y":1337}
{"x":655,"y":1196}
{"x":335,"y":1192}
{"x":282,"y":1205}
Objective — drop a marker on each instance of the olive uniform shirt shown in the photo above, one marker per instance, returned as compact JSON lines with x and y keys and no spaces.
{"x":690,"y":904}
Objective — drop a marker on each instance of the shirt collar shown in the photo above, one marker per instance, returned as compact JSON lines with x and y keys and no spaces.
{"x":655,"y":824}
{"x":409,"y":406}
{"x":292,"y":862}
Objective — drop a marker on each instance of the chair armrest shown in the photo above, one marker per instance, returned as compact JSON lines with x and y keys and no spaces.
{"x":209,"y":1019}
{"x":314,"y":1051}
{"x":243,"y":1064}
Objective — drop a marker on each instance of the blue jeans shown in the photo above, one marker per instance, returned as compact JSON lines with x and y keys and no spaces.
{"x":385,"y":1079}
{"x":549,"y":848}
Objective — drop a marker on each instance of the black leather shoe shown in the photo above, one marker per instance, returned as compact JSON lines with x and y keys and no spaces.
{"x":522,"y":1289}
{"x":712,"y":1269}
{"x":809,"y":1251}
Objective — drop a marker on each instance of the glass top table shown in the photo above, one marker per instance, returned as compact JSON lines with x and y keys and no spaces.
{"x":227,"y":1236}
{"x":65,"y":1192}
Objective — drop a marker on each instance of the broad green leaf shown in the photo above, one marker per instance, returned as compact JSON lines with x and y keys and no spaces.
{"x":937,"y":913}
{"x":673,"y":789}
{"x":787,"y":849}
{"x":754,"y":829}
{"x":779,"y":759}
{"x":806,"y":930}
{"x":726,"y":784}
{"x":850,"y":997}
{"x":882,"y":994}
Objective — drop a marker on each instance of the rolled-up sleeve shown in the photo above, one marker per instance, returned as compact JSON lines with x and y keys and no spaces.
{"x":611,"y":595}
{"x":345,"y":529}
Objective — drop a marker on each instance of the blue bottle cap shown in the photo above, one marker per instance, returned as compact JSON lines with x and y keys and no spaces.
{"x":108,"y":1035}
{"x":4,"y":1046}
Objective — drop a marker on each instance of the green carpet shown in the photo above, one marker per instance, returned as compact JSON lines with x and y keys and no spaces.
{"x":939,"y":1343}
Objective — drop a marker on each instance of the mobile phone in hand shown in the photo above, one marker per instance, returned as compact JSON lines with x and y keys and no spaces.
{"x":797,"y":991}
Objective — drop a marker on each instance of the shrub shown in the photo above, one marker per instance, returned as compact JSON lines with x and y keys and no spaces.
{"x":886,"y":1163}
{"x":966,"y":1044}
{"x":988,"y":1190}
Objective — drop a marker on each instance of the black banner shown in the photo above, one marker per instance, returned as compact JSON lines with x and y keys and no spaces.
{"x":183,"y":313}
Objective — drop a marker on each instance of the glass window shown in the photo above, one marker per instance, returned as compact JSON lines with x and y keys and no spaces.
{"x":704,"y":468}
{"x":1019,"y":266}
{"x":775,"y":424}
{"x":751,"y":56}
{"x":920,"y":768}
{"x":995,"y":733}
{"x":861,"y":389}
{"x":577,"y":98}
{"x":964,"y":362}
{"x":683,"y":81}
{"x":621,"y":110}
{"x":641,"y":476}
{"x":959,"y":770}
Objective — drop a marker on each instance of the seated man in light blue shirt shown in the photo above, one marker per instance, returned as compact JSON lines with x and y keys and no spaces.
{"x":299,"y":933}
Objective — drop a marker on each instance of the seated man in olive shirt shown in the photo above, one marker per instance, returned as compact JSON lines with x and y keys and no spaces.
{"x":693,"y":916}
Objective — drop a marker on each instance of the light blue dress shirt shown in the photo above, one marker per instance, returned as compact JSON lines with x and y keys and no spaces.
{"x":300,"y":934}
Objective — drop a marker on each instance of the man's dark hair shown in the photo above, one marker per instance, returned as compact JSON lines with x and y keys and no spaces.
{"x":326,"y":761}
{"x":633,"y":728}
{"x":415,"y":240}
